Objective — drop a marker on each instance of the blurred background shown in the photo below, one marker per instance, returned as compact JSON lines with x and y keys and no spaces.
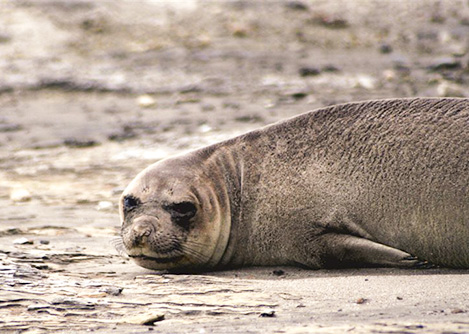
{"x":91,"y":92}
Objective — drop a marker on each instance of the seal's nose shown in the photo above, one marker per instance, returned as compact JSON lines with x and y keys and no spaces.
{"x":141,"y":229}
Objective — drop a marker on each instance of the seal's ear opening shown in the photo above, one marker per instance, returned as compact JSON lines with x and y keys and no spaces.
{"x":182,"y":211}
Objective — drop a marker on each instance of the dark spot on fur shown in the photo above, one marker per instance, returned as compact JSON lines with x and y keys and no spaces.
{"x":182,"y":212}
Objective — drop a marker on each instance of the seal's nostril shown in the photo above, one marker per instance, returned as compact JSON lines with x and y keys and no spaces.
{"x":141,"y":229}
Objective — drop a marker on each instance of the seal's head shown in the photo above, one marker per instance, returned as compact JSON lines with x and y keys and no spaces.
{"x":172,"y":217}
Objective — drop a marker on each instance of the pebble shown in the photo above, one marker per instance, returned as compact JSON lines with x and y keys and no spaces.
{"x":79,"y":143}
{"x":296,"y":5}
{"x":208,"y":107}
{"x":267,"y":313}
{"x":385,"y":48}
{"x":464,"y":21}
{"x":448,"y":89}
{"x":113,"y":291}
{"x":20,"y":195}
{"x":204,"y":128}
{"x":331,"y":68}
{"x":457,"y":311}
{"x":117,"y":190}
{"x":4,"y":38}
{"x":23,"y":241}
{"x":389,"y":75}
{"x":401,"y":63}
{"x":240,"y":30}
{"x":331,"y":21}
{"x":73,"y":303}
{"x":35,"y":307}
{"x":445,"y":64}
{"x":309,"y":71}
{"x":127,"y":132}
{"x":367,"y":82}
{"x":278,"y":272}
{"x":298,"y":95}
{"x":144,"y":319}
{"x":10,"y":127}
{"x":104,"y":205}
{"x":146,"y":101}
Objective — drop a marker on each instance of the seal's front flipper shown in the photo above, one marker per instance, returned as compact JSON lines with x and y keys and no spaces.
{"x":347,"y":250}
{"x":421,"y":264}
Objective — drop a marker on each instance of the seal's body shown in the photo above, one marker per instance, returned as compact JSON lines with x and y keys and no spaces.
{"x":380,"y":183}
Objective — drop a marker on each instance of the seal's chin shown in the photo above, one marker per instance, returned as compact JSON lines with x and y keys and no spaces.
{"x":174,"y":259}
{"x":162,"y":263}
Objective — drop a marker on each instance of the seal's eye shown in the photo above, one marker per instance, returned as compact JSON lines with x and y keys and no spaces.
{"x":181,"y":211}
{"x":130,"y":203}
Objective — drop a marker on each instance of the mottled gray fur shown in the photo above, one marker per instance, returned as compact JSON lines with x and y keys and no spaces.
{"x":367,"y":183}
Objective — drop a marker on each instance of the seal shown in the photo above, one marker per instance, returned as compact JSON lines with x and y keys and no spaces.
{"x":376,"y":183}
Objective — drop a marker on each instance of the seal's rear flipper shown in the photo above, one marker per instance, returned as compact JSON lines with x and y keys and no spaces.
{"x":347,"y":250}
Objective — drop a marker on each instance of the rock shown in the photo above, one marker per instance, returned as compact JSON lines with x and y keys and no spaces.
{"x":361,"y":301}
{"x":146,"y":101}
{"x":20,"y":195}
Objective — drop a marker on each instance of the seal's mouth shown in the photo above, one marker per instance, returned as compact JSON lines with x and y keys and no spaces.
{"x":157,"y":259}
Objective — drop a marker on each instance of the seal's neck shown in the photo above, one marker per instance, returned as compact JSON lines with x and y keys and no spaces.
{"x":225,"y":165}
